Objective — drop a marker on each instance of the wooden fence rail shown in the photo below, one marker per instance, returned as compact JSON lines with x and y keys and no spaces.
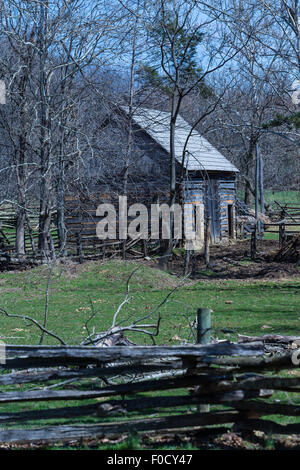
{"x":234,"y":378}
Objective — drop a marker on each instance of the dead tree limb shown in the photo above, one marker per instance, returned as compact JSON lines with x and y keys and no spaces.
{"x":32,"y":320}
{"x":138,"y":325}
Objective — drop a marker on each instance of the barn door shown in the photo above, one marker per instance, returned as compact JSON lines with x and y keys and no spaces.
{"x":212,"y":207}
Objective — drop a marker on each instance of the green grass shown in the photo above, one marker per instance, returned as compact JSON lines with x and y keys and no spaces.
{"x":101,"y":288}
{"x":282,"y":197}
{"x":271,"y":236}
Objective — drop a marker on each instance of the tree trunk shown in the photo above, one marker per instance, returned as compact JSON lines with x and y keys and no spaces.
{"x":61,"y":227}
{"x":45,"y":191}
{"x":21,"y":211}
{"x":164,"y":260}
{"x":20,"y":232}
{"x":20,"y":162}
{"x":248,"y":195}
{"x":249,"y":174}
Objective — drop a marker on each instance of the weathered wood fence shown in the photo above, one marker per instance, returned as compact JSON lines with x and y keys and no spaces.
{"x":81,"y":222}
{"x":8,"y":223}
{"x":152,"y":388}
{"x":82,"y":241}
{"x":288,"y":224}
{"x":284,"y":229}
{"x":289,"y":211}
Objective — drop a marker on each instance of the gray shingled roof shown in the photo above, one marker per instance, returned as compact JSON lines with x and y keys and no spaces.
{"x":201,"y":154}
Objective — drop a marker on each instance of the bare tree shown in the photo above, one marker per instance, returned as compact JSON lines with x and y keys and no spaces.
{"x":259,"y":92}
{"x":180,"y":32}
{"x":53,"y":43}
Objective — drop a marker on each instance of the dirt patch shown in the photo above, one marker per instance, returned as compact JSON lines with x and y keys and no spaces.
{"x":234,"y":262}
{"x":227,"y":262}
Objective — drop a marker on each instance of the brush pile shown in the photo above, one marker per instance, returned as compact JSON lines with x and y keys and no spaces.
{"x":290,"y":252}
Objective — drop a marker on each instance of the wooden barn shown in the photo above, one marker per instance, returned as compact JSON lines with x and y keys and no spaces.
{"x":209,"y":178}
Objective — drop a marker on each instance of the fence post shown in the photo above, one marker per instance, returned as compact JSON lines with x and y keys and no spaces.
{"x":281,"y":235}
{"x":124,"y":249}
{"x":207,"y":240}
{"x":203,"y":326}
{"x":145,"y":250}
{"x":203,"y":337}
{"x":79,"y":247}
{"x":253,"y":244}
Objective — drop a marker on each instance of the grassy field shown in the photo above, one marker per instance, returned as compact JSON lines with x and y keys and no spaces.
{"x":282,"y":196}
{"x":78,"y":291}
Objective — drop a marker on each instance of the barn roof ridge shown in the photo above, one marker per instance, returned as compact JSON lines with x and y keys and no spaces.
{"x":201,"y":154}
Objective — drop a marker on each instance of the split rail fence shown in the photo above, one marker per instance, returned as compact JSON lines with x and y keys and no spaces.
{"x":90,"y":392}
{"x":82,"y":240}
{"x":289,"y":222}
{"x":8,"y":223}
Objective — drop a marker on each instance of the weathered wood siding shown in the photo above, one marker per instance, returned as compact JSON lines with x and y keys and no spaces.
{"x":213,"y":196}
{"x":81,"y":218}
{"x":216,"y":193}
{"x":227,"y":195}
{"x":194,"y":196}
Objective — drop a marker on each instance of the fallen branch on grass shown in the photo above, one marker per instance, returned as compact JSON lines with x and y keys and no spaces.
{"x":32,"y":320}
{"x":138,"y":326}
